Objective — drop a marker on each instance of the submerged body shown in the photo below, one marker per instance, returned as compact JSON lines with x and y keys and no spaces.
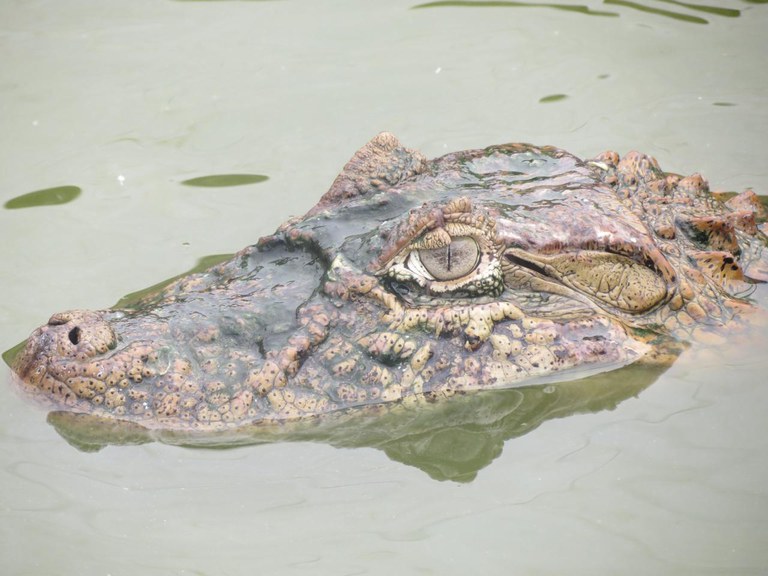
{"x":412,"y":281}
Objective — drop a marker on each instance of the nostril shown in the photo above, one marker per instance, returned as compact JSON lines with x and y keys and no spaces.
{"x":74,"y":335}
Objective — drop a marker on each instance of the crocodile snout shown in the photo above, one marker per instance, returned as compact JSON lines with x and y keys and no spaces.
{"x":63,"y":351}
{"x":78,"y":361}
{"x":79,"y":334}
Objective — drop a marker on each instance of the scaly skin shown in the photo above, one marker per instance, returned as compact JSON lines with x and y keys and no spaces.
{"x":414,"y":280}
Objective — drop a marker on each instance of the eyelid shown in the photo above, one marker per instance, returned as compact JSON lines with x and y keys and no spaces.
{"x":413,"y":263}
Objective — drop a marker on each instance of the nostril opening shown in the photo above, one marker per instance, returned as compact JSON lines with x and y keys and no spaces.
{"x":74,"y":335}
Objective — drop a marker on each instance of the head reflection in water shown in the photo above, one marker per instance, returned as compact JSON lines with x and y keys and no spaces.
{"x":408,"y":292}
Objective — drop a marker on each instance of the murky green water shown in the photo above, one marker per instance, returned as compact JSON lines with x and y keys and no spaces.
{"x":144,"y":131}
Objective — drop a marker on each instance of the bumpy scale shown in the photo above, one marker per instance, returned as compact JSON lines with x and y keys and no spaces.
{"x":411,"y":281}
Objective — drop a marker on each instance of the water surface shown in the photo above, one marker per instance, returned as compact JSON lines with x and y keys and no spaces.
{"x":126,"y":102}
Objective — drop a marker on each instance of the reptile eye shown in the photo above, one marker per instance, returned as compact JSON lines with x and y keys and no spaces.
{"x":452,"y":261}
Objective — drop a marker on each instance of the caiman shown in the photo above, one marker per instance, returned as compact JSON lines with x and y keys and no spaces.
{"x":415,"y":280}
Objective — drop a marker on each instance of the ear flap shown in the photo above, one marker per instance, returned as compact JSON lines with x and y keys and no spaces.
{"x":723,"y":268}
{"x":711,"y":232}
{"x":380,"y":164}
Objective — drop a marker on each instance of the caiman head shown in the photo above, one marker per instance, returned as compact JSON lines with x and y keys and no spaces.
{"x":415,"y":280}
